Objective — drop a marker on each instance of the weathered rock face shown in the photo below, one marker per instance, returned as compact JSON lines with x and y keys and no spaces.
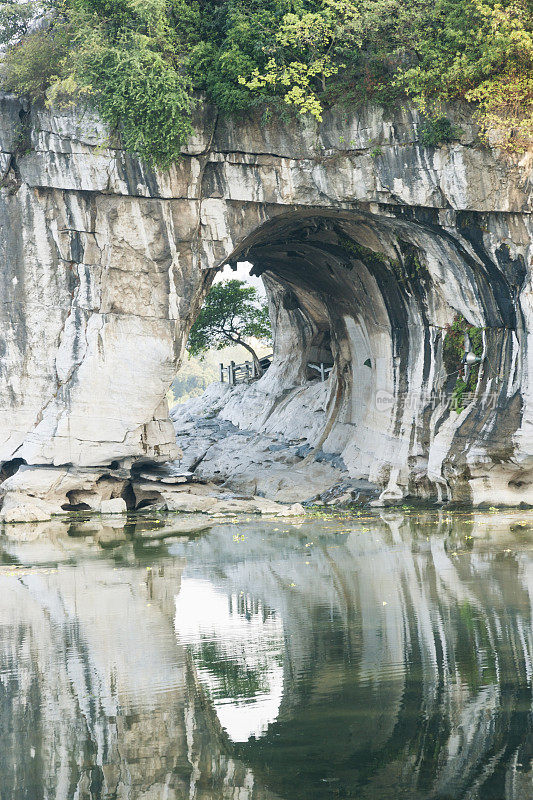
{"x":96,"y":298}
{"x":370,"y":245}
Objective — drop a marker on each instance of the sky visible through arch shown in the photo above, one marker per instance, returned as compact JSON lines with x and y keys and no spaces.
{"x":197,"y":373}
{"x":242,"y":273}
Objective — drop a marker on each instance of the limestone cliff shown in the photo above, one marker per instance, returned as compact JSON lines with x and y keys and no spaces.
{"x":371,"y":246}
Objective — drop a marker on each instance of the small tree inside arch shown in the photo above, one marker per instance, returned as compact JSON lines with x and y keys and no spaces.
{"x":233,"y":313}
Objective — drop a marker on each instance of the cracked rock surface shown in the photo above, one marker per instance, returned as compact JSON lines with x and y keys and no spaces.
{"x":247,"y":459}
{"x":370,"y":245}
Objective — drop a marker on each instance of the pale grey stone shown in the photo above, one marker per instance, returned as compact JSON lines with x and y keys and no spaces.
{"x":105,"y":262}
{"x":115,"y":505}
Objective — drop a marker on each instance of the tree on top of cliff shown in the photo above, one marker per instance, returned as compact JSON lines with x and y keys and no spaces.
{"x":232,"y":314}
{"x":140,"y":61}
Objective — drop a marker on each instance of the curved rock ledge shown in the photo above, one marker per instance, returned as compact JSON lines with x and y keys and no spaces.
{"x":370,"y":245}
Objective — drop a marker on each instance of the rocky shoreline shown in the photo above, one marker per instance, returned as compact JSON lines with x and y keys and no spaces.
{"x":223,"y":441}
{"x":37,"y":495}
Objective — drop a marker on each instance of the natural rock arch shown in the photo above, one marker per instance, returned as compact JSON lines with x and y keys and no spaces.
{"x":387,"y":287}
{"x":362,"y":235}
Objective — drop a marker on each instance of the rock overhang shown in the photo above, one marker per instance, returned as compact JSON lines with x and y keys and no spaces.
{"x":107,"y":260}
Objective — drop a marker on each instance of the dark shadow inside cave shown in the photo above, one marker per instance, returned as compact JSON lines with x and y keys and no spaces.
{"x":374,"y":298}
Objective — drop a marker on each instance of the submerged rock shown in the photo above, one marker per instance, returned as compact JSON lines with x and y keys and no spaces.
{"x":109,"y":536}
{"x":176,"y":527}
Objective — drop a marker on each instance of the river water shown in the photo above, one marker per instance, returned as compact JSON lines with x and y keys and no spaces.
{"x":378,"y":656}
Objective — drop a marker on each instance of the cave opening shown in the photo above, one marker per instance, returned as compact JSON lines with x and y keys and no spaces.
{"x":9,"y":468}
{"x":373,"y":299}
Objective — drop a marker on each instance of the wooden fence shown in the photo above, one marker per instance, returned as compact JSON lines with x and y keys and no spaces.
{"x":242,"y":373}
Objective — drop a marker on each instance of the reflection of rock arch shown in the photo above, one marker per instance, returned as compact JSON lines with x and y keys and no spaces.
{"x":414,"y":704}
{"x":108,"y":262}
{"x":247,"y":690}
{"x":122,"y":704}
{"x":115,"y":704}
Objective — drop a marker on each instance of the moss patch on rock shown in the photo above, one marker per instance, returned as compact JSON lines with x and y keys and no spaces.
{"x":453,"y":353}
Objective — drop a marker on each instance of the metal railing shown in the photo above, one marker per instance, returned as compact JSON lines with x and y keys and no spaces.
{"x":322,"y":370}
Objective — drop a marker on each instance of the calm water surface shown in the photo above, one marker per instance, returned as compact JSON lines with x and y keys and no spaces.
{"x":385,"y":656}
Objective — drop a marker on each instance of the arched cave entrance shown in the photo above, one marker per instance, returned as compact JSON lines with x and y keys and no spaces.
{"x":371,"y":253}
{"x":380,"y":298}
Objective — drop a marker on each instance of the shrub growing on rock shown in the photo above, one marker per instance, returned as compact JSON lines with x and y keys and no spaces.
{"x":140,"y":61}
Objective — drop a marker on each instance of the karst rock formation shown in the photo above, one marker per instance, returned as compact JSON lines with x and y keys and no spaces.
{"x":371,"y":246}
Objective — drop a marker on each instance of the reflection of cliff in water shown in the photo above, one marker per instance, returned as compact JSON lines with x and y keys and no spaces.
{"x":390,"y":659}
{"x":98,"y":699}
{"x":408,"y":656}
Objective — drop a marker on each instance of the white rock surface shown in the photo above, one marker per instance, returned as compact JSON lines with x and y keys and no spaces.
{"x":220,"y":433}
{"x":208,"y":499}
{"x":21,"y":508}
{"x":116,"y":505}
{"x":369,"y":256}
{"x":47,"y":491}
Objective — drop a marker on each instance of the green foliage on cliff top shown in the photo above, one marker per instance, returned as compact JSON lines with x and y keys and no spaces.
{"x":139,"y":61}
